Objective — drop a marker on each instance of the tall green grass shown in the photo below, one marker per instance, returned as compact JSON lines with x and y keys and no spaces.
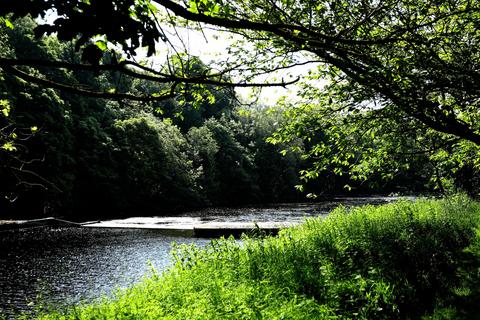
{"x":405,"y":260}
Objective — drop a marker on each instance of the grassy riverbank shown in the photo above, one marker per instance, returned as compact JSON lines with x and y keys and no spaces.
{"x":397,"y":261}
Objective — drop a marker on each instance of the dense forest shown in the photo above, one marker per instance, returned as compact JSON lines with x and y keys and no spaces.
{"x":74,"y":156}
{"x":87,"y":130}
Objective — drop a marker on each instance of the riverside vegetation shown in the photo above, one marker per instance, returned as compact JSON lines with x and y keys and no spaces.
{"x":405,"y":260}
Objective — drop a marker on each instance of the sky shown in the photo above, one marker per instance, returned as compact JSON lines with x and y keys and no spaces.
{"x":211,"y":46}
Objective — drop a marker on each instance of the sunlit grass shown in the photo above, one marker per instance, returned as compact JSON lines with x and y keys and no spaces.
{"x":397,"y":261}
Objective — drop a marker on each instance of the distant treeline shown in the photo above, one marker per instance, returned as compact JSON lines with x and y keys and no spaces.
{"x":82,"y":157}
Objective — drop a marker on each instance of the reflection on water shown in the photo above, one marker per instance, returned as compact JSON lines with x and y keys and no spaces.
{"x":66,"y":265}
{"x":286,"y":212}
{"x":70,"y":264}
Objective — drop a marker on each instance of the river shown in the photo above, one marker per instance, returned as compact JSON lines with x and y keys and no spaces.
{"x":63,"y":266}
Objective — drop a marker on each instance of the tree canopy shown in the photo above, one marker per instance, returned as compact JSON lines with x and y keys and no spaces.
{"x":393,"y":89}
{"x":420,"y":57}
{"x":70,"y":155}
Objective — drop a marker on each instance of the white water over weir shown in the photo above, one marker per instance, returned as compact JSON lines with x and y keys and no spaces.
{"x":195,"y":226}
{"x":181,"y":226}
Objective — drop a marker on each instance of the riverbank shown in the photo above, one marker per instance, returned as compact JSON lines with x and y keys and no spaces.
{"x":397,"y":261}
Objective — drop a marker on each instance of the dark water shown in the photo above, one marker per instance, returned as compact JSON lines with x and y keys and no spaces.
{"x":67,"y":265}
{"x":285,"y":212}
{"x":71,"y":264}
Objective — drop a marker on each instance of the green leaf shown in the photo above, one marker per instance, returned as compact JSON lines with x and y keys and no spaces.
{"x":5,"y":107}
{"x":102,"y":45}
{"x":312,"y":196}
{"x":8,"y":146}
{"x":192,"y":7}
{"x":9,"y":24}
{"x":299,"y":187}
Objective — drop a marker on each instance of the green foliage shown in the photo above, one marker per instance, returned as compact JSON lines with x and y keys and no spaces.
{"x":399,"y":261}
{"x":376,"y":145}
{"x":203,"y":151}
{"x":195,"y":103}
{"x":93,"y":158}
{"x":394,"y":98}
{"x":235,"y":179}
{"x":418,"y":60}
{"x":134,"y":15}
{"x":153,"y":163}
{"x":277,"y":173}
{"x":6,"y":139}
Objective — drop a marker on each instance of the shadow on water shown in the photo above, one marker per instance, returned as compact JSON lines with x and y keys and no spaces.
{"x":63,"y":266}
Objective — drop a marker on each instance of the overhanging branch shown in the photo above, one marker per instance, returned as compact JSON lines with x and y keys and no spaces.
{"x":280,"y":29}
{"x":149,"y":74}
{"x":89,"y":93}
{"x":129,"y":68}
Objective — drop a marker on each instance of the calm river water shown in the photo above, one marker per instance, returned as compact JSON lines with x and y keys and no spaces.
{"x":67,"y":265}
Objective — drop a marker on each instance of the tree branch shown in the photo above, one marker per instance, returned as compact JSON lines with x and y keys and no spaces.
{"x":280,"y":29}
{"x":84,"y":92}
{"x":151,"y":75}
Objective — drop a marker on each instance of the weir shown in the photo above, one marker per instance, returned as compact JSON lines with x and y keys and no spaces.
{"x":195,"y":227}
{"x":182,"y":226}
{"x":43,"y":222}
{"x":215,"y":222}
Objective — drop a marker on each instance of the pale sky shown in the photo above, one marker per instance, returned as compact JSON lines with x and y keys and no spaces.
{"x":212,"y":45}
